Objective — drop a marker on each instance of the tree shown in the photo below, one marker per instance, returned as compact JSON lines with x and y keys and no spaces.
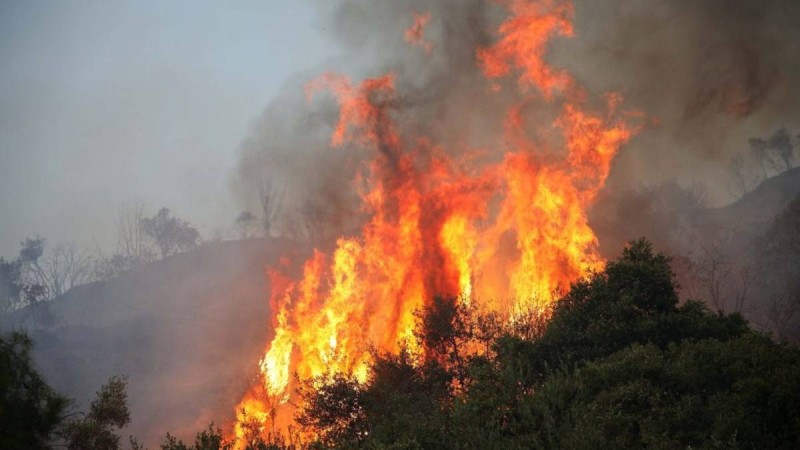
{"x":132,"y":245}
{"x":170,"y":233}
{"x":779,"y":261}
{"x":95,"y":430}
{"x":714,"y":270}
{"x":446,"y":330}
{"x":34,"y":416}
{"x":744,"y":179}
{"x":333,"y":410}
{"x":693,"y":394}
{"x":271,"y":197}
{"x":38,"y":306}
{"x":22,"y":286}
{"x":582,"y":381}
{"x":30,"y":411}
{"x":59,"y":271}
{"x":246,"y":223}
{"x":11,"y":284}
{"x":770,"y":156}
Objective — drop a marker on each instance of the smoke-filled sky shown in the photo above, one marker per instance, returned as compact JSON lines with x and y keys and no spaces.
{"x":190,"y":105}
{"x":104,"y":103}
{"x":706,"y":76}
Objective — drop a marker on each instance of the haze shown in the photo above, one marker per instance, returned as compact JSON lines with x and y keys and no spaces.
{"x":106,"y":103}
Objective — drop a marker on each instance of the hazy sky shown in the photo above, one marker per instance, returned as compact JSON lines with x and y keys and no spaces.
{"x":105,"y":102}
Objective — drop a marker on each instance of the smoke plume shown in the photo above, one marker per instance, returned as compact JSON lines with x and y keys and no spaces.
{"x":707,"y":75}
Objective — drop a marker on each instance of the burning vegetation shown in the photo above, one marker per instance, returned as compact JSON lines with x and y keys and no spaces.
{"x":455,"y":293}
{"x":502,"y":230}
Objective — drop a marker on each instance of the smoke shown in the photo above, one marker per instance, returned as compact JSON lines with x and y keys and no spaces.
{"x":695,"y":82}
{"x":707,"y":75}
{"x":710,"y":74}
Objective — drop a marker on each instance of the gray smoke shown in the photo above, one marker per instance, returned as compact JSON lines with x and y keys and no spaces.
{"x":708,"y":75}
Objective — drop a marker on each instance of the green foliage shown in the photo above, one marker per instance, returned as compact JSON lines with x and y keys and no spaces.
{"x":619,"y":365}
{"x":445,"y":330}
{"x":633,"y":301}
{"x":334,"y":409}
{"x":95,"y":430}
{"x":707,"y":394}
{"x":30,"y":411}
{"x":208,"y":439}
{"x":406,"y":401}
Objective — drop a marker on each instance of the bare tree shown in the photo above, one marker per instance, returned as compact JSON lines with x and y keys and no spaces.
{"x":714,"y":267}
{"x":61,"y":270}
{"x":782,"y":309}
{"x":743,"y":179}
{"x":772,"y":155}
{"x":133,"y":245}
{"x":314,"y":221}
{"x":686,"y":271}
{"x":58,"y":270}
{"x":132,"y":240}
{"x":779,"y":272}
{"x":759,"y":151}
{"x":271,"y":197}
{"x":741,"y":291}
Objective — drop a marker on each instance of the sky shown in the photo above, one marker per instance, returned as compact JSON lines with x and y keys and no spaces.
{"x":106,"y":103}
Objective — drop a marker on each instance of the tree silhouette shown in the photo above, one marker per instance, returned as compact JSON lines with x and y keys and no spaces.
{"x":170,"y":233}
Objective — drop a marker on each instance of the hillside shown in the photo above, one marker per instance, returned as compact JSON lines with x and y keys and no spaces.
{"x":756,"y":209}
{"x":187,"y":330}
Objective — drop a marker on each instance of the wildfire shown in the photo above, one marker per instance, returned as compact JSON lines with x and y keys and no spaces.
{"x":505,"y":234}
{"x":415,"y":34}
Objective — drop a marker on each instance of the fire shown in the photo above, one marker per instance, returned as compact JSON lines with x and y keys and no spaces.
{"x":505,"y":234}
{"x":415,"y":34}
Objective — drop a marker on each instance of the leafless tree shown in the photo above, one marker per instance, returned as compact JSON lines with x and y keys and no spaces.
{"x":743,"y":179}
{"x":62,"y":269}
{"x":271,"y":197}
{"x":57,"y":271}
{"x":133,"y":246}
{"x":314,"y":221}
{"x":687,"y":275}
{"x":782,"y":309}
{"x":132,"y":240}
{"x":714,"y":268}
{"x":743,"y":282}
{"x":772,"y":155}
{"x":779,"y":272}
{"x":759,"y":151}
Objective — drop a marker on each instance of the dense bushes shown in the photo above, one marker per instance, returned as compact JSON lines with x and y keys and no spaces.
{"x":619,"y":365}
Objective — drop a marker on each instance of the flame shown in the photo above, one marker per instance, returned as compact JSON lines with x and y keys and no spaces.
{"x":523,"y":42}
{"x":415,"y":34}
{"x":507,"y":234}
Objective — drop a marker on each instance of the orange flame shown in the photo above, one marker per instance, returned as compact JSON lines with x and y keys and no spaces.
{"x":508,"y":234}
{"x":415,"y":34}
